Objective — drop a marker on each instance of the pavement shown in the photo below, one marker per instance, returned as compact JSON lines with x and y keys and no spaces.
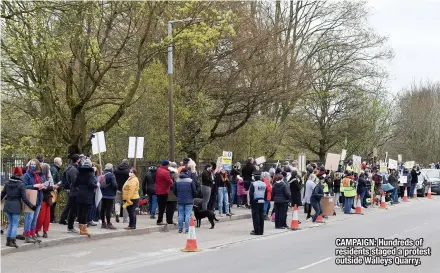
{"x":230,"y":248}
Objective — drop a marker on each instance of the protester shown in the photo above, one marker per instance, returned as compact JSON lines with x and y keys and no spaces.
{"x":163,"y":185}
{"x":214,"y":192}
{"x":69,"y":177}
{"x":281,"y":197}
{"x":130,"y":196}
{"x":362,"y":188}
{"x":222,"y":184}
{"x":109,"y":187}
{"x":310,"y":185}
{"x":265,"y":177}
{"x":86,"y":184}
{"x":15,"y":191}
{"x":207,"y":183}
{"x":121,"y":174}
{"x":394,"y":181}
{"x":241,"y":192}
{"x":415,"y":172}
{"x":247,"y":173}
{"x":337,"y":189}
{"x":172,"y":199}
{"x":55,"y":171}
{"x":149,"y":188}
{"x":43,"y":220}
{"x":234,"y":197}
{"x":93,"y":217}
{"x":349,"y":189}
{"x":295,"y":186}
{"x":258,"y":194}
{"x":315,"y":200}
{"x":34,"y":179}
{"x":185,"y":190}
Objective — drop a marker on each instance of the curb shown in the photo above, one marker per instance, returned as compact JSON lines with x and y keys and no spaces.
{"x":109,"y":235}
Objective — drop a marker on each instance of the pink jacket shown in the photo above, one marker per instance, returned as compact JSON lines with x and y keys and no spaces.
{"x":240,"y":187}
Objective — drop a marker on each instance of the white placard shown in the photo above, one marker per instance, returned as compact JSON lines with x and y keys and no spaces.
{"x":260,"y":160}
{"x":332,"y":162}
{"x":410,"y":164}
{"x":302,"y":163}
{"x":99,"y":137}
{"x":139,"y":147}
{"x":399,"y":158}
{"x":403,"y":180}
{"x":357,"y":164}
{"x":392,"y":164}
{"x":219,"y":164}
{"x":343,"y":154}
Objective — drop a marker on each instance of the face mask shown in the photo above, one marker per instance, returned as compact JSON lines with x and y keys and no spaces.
{"x":94,"y":169}
{"x":130,"y":174}
{"x":33,"y":168}
{"x":209,"y":169}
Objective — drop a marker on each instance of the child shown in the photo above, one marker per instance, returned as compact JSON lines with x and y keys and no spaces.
{"x":241,"y":191}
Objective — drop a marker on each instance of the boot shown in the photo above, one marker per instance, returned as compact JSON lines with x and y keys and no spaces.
{"x":38,"y":235}
{"x":36,"y":239}
{"x":83,"y":230}
{"x":8,"y":241}
{"x":104,"y":225}
{"x":44,"y":234}
{"x":13,"y":243}
{"x":29,"y":240}
{"x":110,"y":226}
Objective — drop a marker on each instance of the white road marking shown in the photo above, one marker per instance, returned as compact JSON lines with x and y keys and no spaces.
{"x":318,"y":262}
{"x":415,"y":227}
{"x":77,"y":255}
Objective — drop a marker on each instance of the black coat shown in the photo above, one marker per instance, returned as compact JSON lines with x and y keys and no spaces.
{"x":280,"y":192}
{"x":362,"y":185}
{"x":121,"y":174}
{"x":207,"y":178}
{"x":86,"y":184}
{"x":69,"y":178}
{"x":15,"y":192}
{"x":149,"y":183}
{"x":295,"y":191}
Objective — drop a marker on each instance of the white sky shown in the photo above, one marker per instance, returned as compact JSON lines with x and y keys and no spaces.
{"x":413,"y":28}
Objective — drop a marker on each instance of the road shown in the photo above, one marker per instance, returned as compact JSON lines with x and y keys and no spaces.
{"x":230,"y":248}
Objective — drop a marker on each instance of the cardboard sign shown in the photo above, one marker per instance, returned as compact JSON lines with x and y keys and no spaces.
{"x":357,"y":164}
{"x":260,"y":160}
{"x":98,"y":143}
{"x":332,"y":162}
{"x":383,"y":167}
{"x":136,"y":147}
{"x":32,"y":196}
{"x":227,"y":161}
{"x":392,"y":164}
{"x":410,"y":164}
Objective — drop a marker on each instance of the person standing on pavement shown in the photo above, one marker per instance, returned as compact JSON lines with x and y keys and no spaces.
{"x":121,"y":174}
{"x":310,"y":185}
{"x":130,"y":196}
{"x":172,"y":199}
{"x":394,"y":181}
{"x":86,"y":184}
{"x":43,"y":220}
{"x":149,"y":188}
{"x":34,"y":179}
{"x":93,"y":217}
{"x":222,"y":184}
{"x":265,"y":177}
{"x":337,"y":189}
{"x":258,"y":195}
{"x":281,"y":197}
{"x":69,"y":177}
{"x":163,"y":185}
{"x":185,"y":190}
{"x":207,"y":184}
{"x":234,"y":197}
{"x":295,"y":186}
{"x":247,"y":173}
{"x":109,"y":187}
{"x":315,"y":200}
{"x":241,"y":192}
{"x":349,"y":189}
{"x":415,"y":172}
{"x":362,"y":189}
{"x":56,"y":176}
{"x":16,"y":193}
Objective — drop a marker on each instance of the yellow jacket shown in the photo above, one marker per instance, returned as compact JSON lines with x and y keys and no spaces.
{"x":130,"y":191}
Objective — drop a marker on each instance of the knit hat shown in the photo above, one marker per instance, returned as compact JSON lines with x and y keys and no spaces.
{"x":108,"y":166}
{"x":87,"y":163}
{"x":165,"y":163}
{"x":58,"y":161}
{"x":173,"y":165}
{"x":17,"y":171}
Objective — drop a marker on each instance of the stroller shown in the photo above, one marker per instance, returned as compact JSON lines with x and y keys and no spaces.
{"x":388,"y":190}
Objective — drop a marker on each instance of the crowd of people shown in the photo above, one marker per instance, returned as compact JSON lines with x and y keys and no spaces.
{"x":171,"y":186}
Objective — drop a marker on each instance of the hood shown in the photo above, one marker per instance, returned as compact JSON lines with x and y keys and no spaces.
{"x":123,"y":166}
{"x":14,"y":179}
{"x":183,"y":175}
{"x":86,"y":169}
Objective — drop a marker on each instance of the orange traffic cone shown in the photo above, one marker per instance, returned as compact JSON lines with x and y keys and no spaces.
{"x":191,"y":242}
{"x":294,"y":225}
{"x":429,"y":192}
{"x":405,"y":195}
{"x":358,"y":205}
{"x":383,"y":204}
{"x":415,"y":194}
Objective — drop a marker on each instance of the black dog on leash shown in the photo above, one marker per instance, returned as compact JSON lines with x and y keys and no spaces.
{"x":200,"y":214}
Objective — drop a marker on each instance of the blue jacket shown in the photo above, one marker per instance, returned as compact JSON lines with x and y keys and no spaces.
{"x":29,"y":183}
{"x":317,"y":194}
{"x":109,"y":186}
{"x":185,"y":190}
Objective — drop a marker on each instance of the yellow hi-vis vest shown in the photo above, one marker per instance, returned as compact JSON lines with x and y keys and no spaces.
{"x":348,"y":188}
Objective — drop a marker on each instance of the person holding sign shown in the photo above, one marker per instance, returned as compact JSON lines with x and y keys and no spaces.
{"x":15,"y":192}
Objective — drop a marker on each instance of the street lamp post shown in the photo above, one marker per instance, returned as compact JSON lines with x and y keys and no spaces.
{"x":170,"y":81}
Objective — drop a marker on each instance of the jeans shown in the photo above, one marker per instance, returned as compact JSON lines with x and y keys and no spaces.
{"x":152,"y":200}
{"x":184,"y":216}
{"x":234,"y":193}
{"x":223,"y":199}
{"x":411,"y":190}
{"x":106,"y":210}
{"x":258,"y":218}
{"x":363,"y":201}
{"x":30,"y":222}
{"x":348,"y":202}
{"x":13,"y":220}
{"x":132,"y":213}
{"x":93,"y":213}
{"x":162,"y":203}
{"x":83,"y":213}
{"x":395,"y":196}
{"x":206,"y":194}
{"x":266,"y":207}
{"x":337,"y":195}
{"x":317,"y":207}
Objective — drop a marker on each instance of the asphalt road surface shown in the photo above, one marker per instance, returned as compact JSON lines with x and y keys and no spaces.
{"x":230,"y":248}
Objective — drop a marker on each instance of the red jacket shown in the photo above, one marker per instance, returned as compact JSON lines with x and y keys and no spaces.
{"x":163,"y":180}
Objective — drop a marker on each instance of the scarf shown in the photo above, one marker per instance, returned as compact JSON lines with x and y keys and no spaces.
{"x":37,"y":178}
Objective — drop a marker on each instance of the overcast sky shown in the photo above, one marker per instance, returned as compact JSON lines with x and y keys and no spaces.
{"x":413,"y":28}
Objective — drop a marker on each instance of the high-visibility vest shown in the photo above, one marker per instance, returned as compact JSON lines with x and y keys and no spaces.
{"x":347,"y":188}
